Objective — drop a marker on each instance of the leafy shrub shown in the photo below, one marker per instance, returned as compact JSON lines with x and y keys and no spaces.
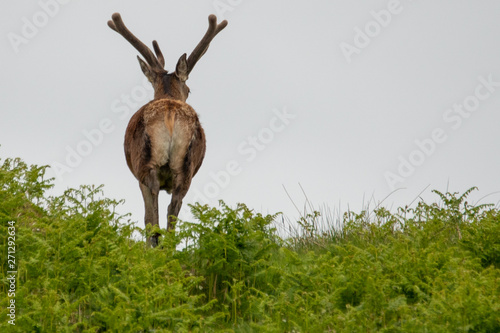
{"x":82,"y":267}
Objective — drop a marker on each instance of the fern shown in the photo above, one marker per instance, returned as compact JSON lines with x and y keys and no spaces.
{"x":81,"y":268}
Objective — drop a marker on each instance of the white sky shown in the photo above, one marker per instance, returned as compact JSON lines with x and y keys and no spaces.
{"x":355,"y":117}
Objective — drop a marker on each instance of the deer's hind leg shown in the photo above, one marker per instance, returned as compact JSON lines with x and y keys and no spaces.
{"x":183,"y":170}
{"x":181,"y":187}
{"x":150,"y":189}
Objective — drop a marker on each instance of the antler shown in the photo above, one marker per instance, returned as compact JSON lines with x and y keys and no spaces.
{"x":201,"y":48}
{"x":154,"y":61}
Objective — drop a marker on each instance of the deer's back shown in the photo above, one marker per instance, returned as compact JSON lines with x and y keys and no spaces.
{"x":161,"y":134}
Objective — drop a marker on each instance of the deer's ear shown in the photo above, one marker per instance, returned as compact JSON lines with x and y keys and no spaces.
{"x":146,"y":69}
{"x":181,"y":70}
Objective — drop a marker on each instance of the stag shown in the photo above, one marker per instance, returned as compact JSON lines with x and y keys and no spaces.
{"x":164,"y":141}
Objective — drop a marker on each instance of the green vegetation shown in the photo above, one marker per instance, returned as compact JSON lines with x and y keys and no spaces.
{"x":432,"y":268}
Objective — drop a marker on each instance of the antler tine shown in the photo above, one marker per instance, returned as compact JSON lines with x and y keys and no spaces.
{"x":159,"y":55}
{"x":117,"y":25}
{"x":201,"y":48}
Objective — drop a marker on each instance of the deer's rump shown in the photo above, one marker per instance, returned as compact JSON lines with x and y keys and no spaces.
{"x":164,"y":137}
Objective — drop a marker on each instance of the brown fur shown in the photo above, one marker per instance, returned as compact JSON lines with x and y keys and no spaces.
{"x":164,"y":141}
{"x":164,"y":148}
{"x":169,"y":120}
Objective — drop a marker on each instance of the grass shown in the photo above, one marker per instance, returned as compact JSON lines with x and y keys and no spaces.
{"x":432,"y":268}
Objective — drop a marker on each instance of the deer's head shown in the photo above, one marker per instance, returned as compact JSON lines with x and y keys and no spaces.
{"x":165,"y":84}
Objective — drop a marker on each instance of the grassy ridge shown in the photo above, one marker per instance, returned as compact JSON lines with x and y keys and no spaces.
{"x":433,"y":268}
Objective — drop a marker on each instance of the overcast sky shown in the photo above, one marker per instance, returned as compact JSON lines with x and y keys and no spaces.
{"x":351,"y":99}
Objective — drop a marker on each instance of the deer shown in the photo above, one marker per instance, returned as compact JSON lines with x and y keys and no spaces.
{"x":164,"y":140}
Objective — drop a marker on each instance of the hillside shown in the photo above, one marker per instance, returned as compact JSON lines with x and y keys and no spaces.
{"x":80,"y":268}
